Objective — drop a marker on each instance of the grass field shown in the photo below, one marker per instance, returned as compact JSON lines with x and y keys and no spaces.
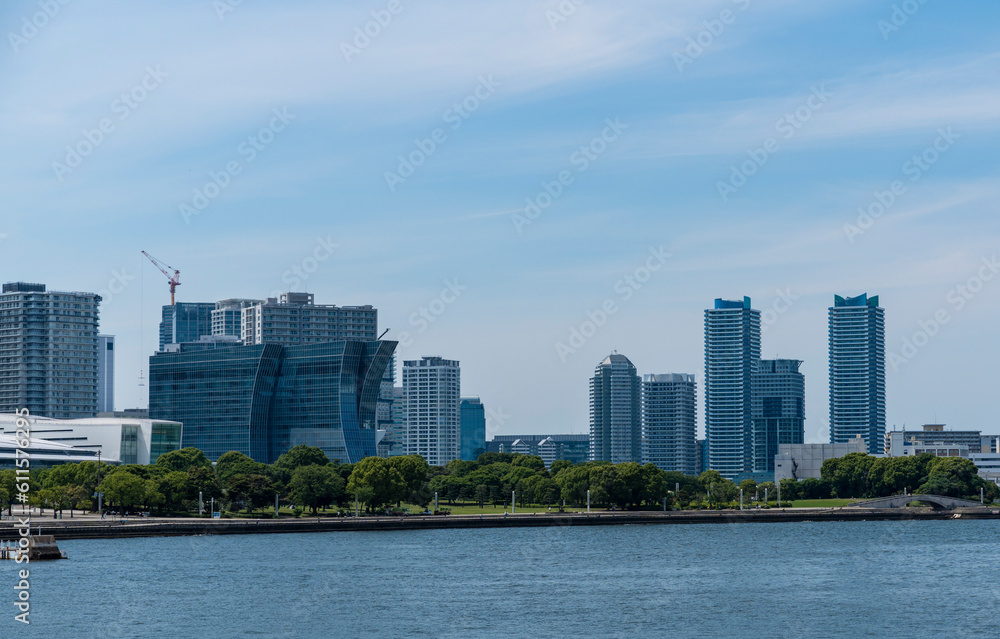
{"x":488,"y":509}
{"x":820,"y":503}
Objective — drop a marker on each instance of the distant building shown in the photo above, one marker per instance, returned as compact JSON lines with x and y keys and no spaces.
{"x":264,"y":399}
{"x":732,"y":349}
{"x":988,"y":464}
{"x":432,"y":392}
{"x":572,"y":448}
{"x":779,"y":413}
{"x":48,"y":351}
{"x":124,"y":440}
{"x":294,"y":319}
{"x":472,"y":437}
{"x":385,"y":413}
{"x":897,"y":440}
{"x":185,"y":322}
{"x":615,"y":411}
{"x":702,"y":456}
{"x":802,"y":461}
{"x":227,"y":316}
{"x":669,"y":421}
{"x":105,"y":373}
{"x":857,"y":371}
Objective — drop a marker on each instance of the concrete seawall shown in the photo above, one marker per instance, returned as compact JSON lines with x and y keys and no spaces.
{"x":63,"y":529}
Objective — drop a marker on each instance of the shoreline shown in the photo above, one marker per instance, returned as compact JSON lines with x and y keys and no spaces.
{"x":65,"y":530}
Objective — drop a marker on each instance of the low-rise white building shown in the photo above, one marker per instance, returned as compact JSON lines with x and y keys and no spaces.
{"x":802,"y":461}
{"x":124,"y":440}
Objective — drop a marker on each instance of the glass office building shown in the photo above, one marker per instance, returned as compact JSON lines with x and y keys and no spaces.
{"x":732,"y":349}
{"x":779,"y":396}
{"x":185,"y":322}
{"x":857,"y":371}
{"x":472,"y":435}
{"x":669,"y":421}
{"x":264,"y":399}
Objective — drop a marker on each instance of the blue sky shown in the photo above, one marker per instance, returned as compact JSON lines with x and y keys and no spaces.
{"x":833,"y":99}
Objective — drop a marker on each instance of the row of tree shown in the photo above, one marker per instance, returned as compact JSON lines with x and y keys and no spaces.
{"x":305,"y":477}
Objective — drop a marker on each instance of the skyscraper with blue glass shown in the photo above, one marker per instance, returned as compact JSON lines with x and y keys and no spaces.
{"x":732,"y":349}
{"x":263,"y":399}
{"x":857,"y":371}
{"x":778,"y":397}
{"x":472,"y":436}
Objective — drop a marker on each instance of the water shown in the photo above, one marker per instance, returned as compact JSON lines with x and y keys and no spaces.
{"x":877,"y":579}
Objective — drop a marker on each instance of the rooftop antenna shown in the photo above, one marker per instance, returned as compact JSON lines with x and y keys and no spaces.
{"x":383,"y":334}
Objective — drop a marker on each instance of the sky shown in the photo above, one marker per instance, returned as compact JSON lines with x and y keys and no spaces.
{"x":524,"y":186}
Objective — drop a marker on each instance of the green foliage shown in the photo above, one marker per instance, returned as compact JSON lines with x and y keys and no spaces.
{"x":495,"y":458}
{"x":181,"y":460}
{"x":253,"y":491}
{"x":377,"y":481}
{"x":299,"y":456}
{"x":559,"y":465}
{"x":233,"y":463}
{"x":315,"y":486}
{"x":123,"y":489}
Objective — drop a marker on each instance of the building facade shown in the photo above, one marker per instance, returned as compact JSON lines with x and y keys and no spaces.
{"x":857,"y":371}
{"x":896,"y":441}
{"x":732,"y":349}
{"x":615,"y":411}
{"x":432,"y":392}
{"x":295,"y":319}
{"x":264,"y":399}
{"x":472,"y":435}
{"x":105,"y":373}
{"x":227,"y":316}
{"x":779,"y":415}
{"x":802,"y":461}
{"x":48,"y":351}
{"x":185,"y":322}
{"x":669,"y":421}
{"x":111,"y":440}
{"x":571,"y":448}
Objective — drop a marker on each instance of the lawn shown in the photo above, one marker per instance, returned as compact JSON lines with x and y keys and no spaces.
{"x":488,"y":509}
{"x":820,"y":503}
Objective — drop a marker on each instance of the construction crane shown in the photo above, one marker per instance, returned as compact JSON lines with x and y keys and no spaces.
{"x":175,"y":279}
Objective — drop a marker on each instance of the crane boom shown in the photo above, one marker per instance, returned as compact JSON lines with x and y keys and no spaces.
{"x":174,"y":280}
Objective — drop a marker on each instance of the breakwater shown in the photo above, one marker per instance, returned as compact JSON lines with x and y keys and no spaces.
{"x":68,"y":529}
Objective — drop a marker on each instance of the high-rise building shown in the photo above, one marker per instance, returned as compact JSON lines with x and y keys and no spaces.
{"x":295,"y":319}
{"x":669,"y":420}
{"x":702,"y":446}
{"x":472,"y":436}
{"x":779,"y":397}
{"x":571,"y":448}
{"x":105,"y":373}
{"x":385,"y":414}
{"x":185,"y":322}
{"x":432,"y":392}
{"x":227,"y":316}
{"x":48,"y":351}
{"x":732,"y":349}
{"x":263,"y":399}
{"x":857,"y":371}
{"x":615,"y":409}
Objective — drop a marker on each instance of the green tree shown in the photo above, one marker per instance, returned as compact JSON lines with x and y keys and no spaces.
{"x":253,"y":491}
{"x":790,"y":490}
{"x":749,"y":488}
{"x":315,"y":486}
{"x":235,"y":463}
{"x":75,"y":497}
{"x":123,"y":489}
{"x":385,"y":481}
{"x":181,"y":460}
{"x":413,"y":469}
{"x":533,"y":462}
{"x":299,"y":456}
{"x":849,"y":474}
{"x":654,"y":485}
{"x":559,"y":465}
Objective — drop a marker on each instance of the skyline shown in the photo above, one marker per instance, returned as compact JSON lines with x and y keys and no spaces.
{"x":870,"y":100}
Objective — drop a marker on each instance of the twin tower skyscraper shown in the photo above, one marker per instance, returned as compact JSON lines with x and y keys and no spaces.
{"x":751,"y":405}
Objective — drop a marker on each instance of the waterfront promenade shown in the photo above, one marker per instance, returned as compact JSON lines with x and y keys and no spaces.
{"x":92,"y":527}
